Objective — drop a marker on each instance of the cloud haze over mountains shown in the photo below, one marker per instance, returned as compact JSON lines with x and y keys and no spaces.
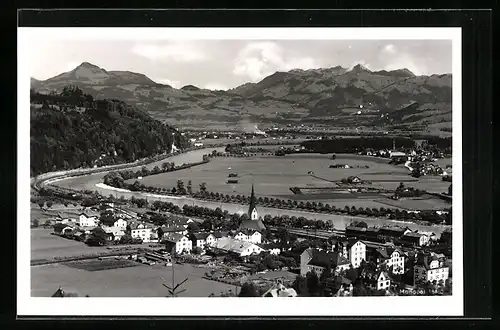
{"x":225,"y":64}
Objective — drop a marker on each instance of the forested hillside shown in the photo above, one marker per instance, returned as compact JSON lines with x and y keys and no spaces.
{"x":72,"y":130}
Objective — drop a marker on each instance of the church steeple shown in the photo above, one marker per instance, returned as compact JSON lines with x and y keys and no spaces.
{"x":253,"y":203}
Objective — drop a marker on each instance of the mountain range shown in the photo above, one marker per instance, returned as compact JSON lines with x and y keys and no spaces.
{"x":335,"y":96}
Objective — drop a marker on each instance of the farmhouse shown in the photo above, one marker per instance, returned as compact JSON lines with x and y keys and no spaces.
{"x":236,"y":247}
{"x":317,"y":261}
{"x":114,"y":233}
{"x":172,"y":229}
{"x":62,"y":229}
{"x":249,"y":235}
{"x":86,"y":220}
{"x":430,"y":268}
{"x":142,"y":231}
{"x":181,"y":243}
{"x":272,"y":248}
{"x":120,"y":223}
{"x":215,"y":236}
{"x":379,"y":280}
{"x":199,"y":239}
{"x":351,"y":180}
{"x":339,"y":166}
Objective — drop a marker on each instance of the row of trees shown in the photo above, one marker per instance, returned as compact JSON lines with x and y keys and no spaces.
{"x":117,"y":180}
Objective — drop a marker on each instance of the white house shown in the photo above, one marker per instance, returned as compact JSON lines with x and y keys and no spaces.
{"x":120,"y":223}
{"x":383,"y":281}
{"x":199,"y":239}
{"x":114,"y":233}
{"x":430,"y":268}
{"x":181,"y":230}
{"x":252,"y":236}
{"x":215,"y":236}
{"x":142,"y":231}
{"x":396,"y":261}
{"x":357,"y":253}
{"x":181,"y":243}
{"x":87,"y":221}
{"x":238,"y":247}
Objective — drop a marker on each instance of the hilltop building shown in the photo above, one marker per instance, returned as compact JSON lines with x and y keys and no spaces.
{"x":254,"y":222}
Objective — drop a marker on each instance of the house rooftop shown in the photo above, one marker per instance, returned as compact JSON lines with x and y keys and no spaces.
{"x":200,"y":236}
{"x":172,"y":237}
{"x":413,"y":235}
{"x":232,"y":245}
{"x":325,"y":259}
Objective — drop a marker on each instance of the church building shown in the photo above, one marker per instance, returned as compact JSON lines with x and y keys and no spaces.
{"x":255,"y":221}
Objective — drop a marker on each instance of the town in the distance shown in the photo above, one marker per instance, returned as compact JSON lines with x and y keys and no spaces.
{"x":125,"y":203}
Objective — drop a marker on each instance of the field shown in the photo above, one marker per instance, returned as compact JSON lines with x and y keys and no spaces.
{"x":274,"y":176}
{"x":95,"y":265}
{"x":138,"y":281}
{"x":44,"y":245}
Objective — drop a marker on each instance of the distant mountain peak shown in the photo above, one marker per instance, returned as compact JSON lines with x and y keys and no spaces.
{"x":88,"y":65}
{"x":403,"y":72}
{"x":358,"y":68}
{"x":190,"y":88}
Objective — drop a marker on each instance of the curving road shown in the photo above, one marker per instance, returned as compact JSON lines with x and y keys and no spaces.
{"x":93,"y":180}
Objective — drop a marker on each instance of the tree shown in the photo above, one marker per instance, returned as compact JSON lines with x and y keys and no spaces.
{"x":203,"y":187}
{"x":313,"y":285}
{"x":300,"y":285}
{"x":98,"y":237}
{"x":249,"y":289}
{"x":196,"y":250}
{"x":190,"y":187}
{"x":126,"y":239}
{"x":49,"y":204}
{"x":193,"y":227}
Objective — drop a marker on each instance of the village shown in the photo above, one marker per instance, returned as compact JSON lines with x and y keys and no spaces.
{"x":261,"y":258}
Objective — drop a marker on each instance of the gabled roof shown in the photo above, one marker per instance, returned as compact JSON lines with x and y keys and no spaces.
{"x":135,"y":225}
{"x":114,"y":230}
{"x":233,"y":245}
{"x":220,"y":234}
{"x":325,"y":259}
{"x":247,"y":231}
{"x":200,"y":236}
{"x":172,"y":237}
{"x":412,"y":235}
{"x":252,"y":224}
{"x":172,"y":229}
{"x":352,"y":242}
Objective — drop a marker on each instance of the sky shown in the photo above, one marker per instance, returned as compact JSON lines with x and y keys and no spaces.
{"x":224,"y":64}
